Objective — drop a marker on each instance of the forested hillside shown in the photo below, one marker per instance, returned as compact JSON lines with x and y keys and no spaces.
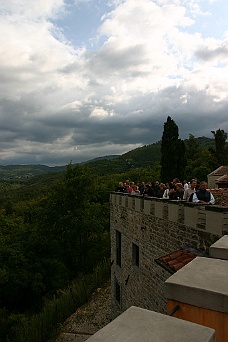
{"x":148,"y":156}
{"x":21,"y":173}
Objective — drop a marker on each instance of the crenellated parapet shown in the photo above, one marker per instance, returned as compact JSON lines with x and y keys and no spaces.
{"x":210,"y":218}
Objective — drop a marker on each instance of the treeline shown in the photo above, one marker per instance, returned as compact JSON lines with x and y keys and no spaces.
{"x":195,"y":157}
{"x":187,"y":159}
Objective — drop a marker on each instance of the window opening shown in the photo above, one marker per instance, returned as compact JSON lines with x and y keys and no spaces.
{"x":118,"y":248}
{"x":117,"y":292}
{"x":135,"y":255}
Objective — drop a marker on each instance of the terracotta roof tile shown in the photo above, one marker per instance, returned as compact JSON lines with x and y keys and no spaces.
{"x":181,"y":258}
{"x":175,"y":254}
{"x":187,"y":260}
{"x":178,"y":266}
{"x":174,"y":261}
{"x":223,"y":179}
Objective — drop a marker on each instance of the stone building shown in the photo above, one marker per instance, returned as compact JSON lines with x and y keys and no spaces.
{"x":143,"y":230}
{"x":169,"y":258}
{"x":216,"y":178}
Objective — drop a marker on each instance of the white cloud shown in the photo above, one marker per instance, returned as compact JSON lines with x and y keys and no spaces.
{"x":99,"y":112}
{"x":27,"y":9}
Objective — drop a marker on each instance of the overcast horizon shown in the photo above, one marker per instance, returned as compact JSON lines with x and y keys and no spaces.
{"x":82,"y":79}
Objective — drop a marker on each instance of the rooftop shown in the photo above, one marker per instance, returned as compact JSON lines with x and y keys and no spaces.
{"x":222,"y":170}
{"x":174,"y":261}
{"x":222,"y":179}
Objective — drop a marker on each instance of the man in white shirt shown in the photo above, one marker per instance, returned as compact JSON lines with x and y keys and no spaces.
{"x":203,"y":195}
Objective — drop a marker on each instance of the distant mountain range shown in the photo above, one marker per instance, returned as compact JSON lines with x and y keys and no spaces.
{"x":141,"y":157}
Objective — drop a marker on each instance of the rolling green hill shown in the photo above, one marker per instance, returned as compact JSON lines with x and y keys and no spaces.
{"x":141,"y":157}
{"x":21,"y":173}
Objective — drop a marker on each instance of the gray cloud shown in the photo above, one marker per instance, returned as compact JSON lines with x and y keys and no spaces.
{"x":219,"y":53}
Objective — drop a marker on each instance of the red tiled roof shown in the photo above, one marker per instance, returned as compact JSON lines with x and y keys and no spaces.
{"x":174,"y":261}
{"x":223,"y":179}
{"x":222,"y":170}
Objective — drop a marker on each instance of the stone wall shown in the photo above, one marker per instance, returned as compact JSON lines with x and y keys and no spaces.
{"x":157,"y":227}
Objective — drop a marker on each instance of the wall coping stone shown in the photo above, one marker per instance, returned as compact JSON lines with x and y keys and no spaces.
{"x":217,"y":208}
{"x":192,"y":204}
{"x":202,"y":283}
{"x":141,"y":325}
{"x":219,"y":249}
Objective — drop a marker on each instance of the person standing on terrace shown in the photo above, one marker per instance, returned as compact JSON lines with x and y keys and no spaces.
{"x":190,"y":190}
{"x":120,"y":187}
{"x":149,"y":191}
{"x":135,"y":190}
{"x":203,"y":195}
{"x":179,"y":192}
{"x":142,"y":188}
{"x":166,"y":192}
{"x":161,"y":190}
{"x":173,"y":188}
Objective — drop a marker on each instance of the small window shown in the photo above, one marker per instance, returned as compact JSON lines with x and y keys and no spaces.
{"x":117,"y":292}
{"x":135,"y":255}
{"x":118,"y":248}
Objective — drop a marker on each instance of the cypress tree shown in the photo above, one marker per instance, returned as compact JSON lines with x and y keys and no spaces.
{"x":182,"y":160}
{"x":173,"y":160}
{"x":220,"y":151}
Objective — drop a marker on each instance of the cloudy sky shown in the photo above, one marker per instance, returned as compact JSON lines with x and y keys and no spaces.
{"x":86,"y":78}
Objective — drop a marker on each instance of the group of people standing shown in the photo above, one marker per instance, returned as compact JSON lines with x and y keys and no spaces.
{"x":193,"y":191}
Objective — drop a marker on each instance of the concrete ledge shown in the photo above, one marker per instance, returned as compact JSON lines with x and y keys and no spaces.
{"x":140,"y":325}
{"x":192,"y":204}
{"x":203,"y":283}
{"x":216,"y":208}
{"x":219,"y":249}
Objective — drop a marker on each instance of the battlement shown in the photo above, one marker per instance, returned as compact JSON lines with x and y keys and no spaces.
{"x":210,"y":218}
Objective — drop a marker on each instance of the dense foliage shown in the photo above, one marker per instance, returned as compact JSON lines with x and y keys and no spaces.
{"x":49,"y":234}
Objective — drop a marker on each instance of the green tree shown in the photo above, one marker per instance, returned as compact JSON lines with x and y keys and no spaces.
{"x":173,"y":160}
{"x":192,"y":148}
{"x":74,"y":222}
{"x":220,"y":152}
{"x":182,"y":160}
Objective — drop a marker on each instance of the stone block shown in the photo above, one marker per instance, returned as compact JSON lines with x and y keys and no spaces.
{"x":219,"y":249}
{"x":202,"y":283}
